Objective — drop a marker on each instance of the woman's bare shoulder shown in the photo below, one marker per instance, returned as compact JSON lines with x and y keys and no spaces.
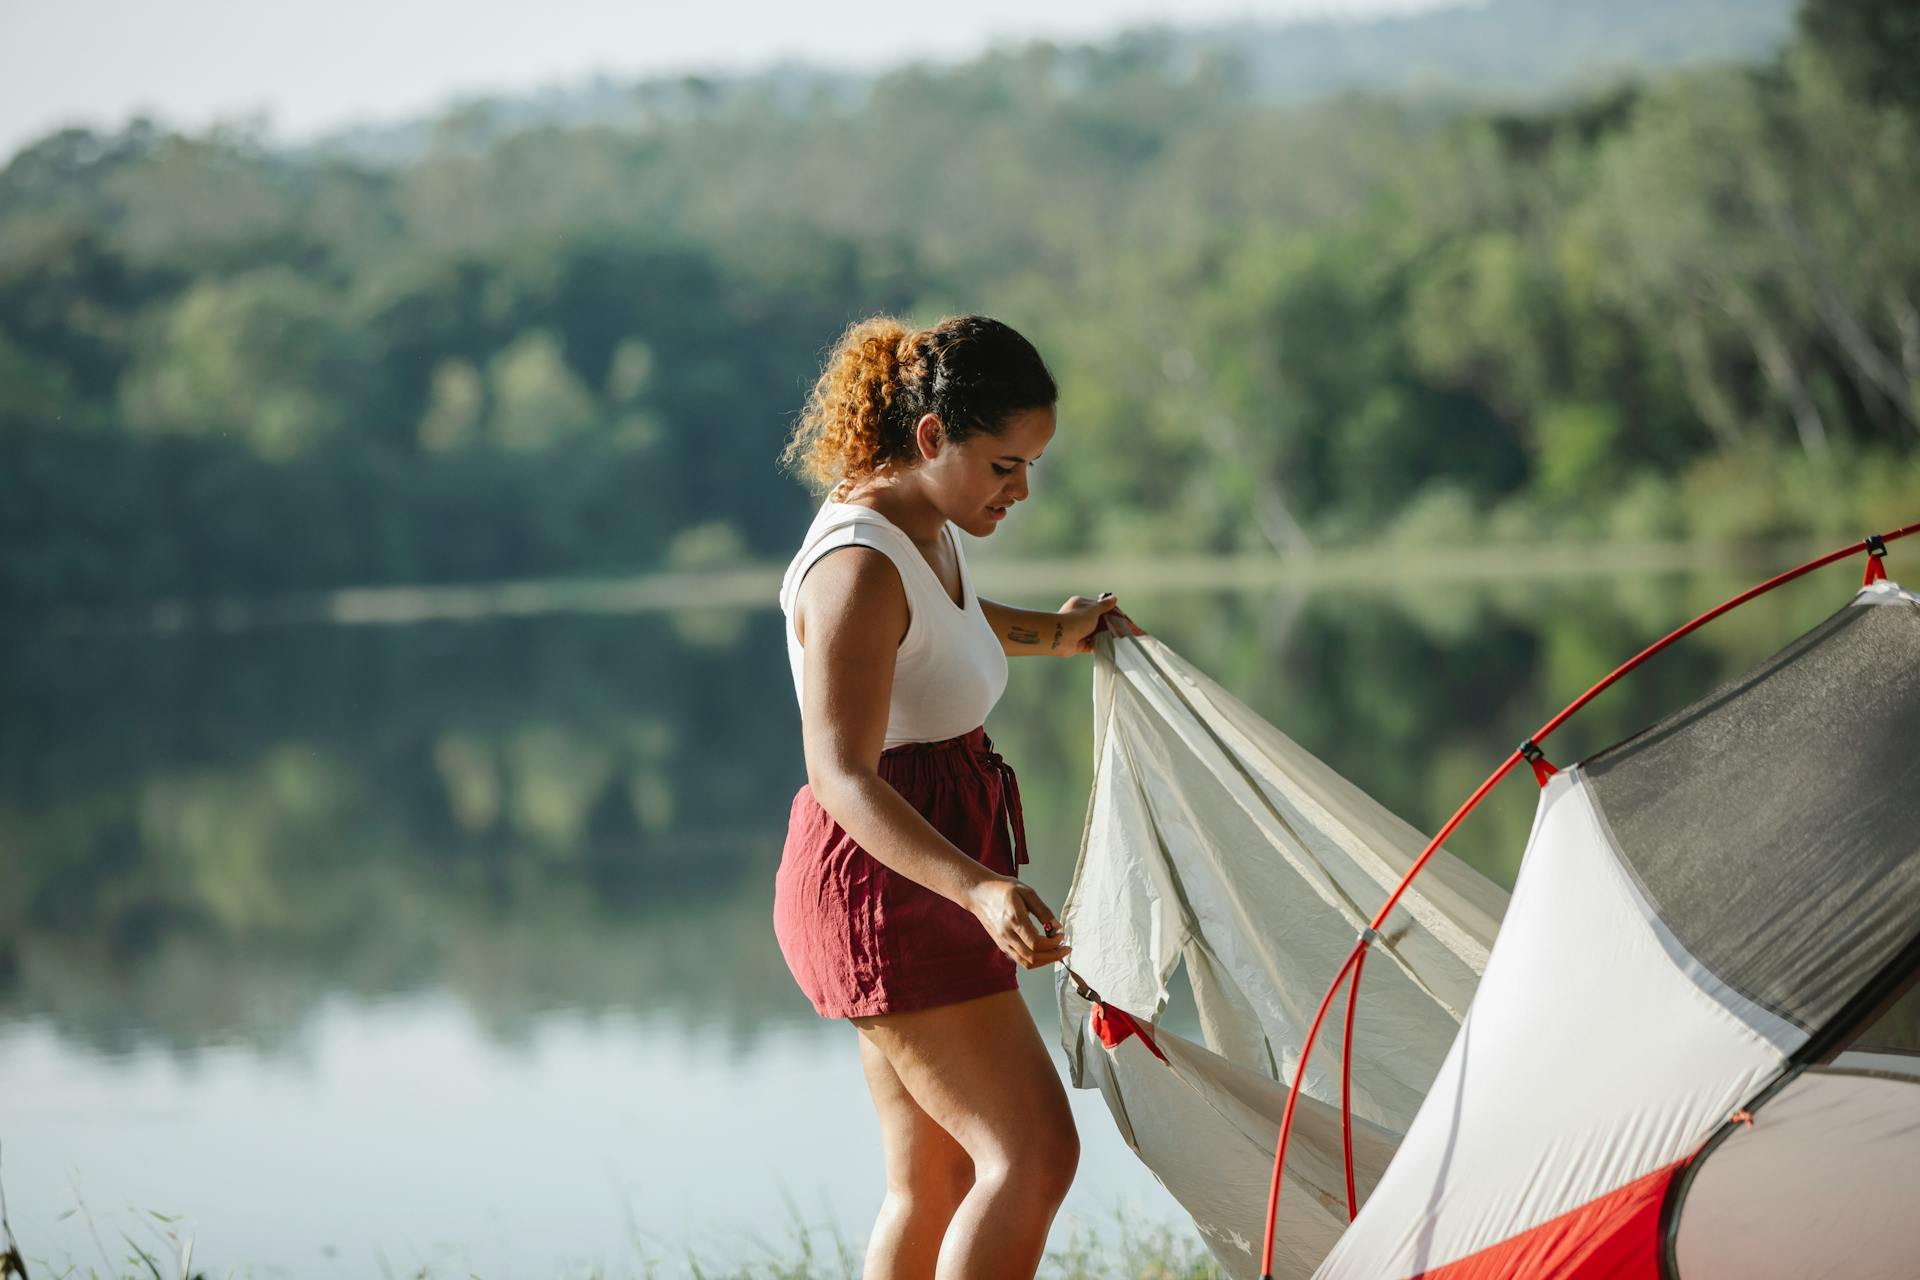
{"x":853,"y":584}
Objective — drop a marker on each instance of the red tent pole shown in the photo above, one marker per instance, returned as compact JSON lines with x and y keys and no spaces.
{"x":1293,"y":1094}
{"x":1346,"y":1077}
{"x":1874,"y":545}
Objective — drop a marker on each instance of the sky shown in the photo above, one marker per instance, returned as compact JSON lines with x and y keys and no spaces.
{"x":308,"y":68}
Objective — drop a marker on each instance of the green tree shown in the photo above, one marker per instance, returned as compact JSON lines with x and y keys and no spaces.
{"x":262,"y":358}
{"x":1873,"y":44}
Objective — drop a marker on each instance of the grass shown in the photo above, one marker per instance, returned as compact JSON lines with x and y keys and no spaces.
{"x":1124,"y":1251}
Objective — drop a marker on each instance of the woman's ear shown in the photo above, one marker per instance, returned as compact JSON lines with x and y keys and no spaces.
{"x":929,"y":433}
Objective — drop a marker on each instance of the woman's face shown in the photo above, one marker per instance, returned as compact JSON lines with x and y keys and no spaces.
{"x":975,"y":482}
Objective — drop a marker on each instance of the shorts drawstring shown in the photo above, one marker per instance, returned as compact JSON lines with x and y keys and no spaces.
{"x":976,"y":743}
{"x":1010,"y":790}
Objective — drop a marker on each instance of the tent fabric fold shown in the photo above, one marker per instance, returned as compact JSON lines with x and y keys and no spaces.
{"x":1213,"y":840}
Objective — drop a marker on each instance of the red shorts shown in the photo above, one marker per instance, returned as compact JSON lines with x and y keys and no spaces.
{"x":859,"y":937}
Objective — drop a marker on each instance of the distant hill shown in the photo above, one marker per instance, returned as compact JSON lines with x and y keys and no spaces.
{"x":600,"y":100}
{"x":1516,"y":50}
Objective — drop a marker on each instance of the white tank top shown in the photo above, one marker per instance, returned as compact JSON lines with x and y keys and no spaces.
{"x":950,"y":668}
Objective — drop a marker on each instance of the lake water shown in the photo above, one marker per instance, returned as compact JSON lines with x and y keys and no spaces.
{"x":367,"y":949}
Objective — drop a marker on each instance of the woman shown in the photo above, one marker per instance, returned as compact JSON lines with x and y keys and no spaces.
{"x":898,"y":903}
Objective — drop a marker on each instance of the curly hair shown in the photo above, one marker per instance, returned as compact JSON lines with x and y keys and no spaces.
{"x":882,"y":377}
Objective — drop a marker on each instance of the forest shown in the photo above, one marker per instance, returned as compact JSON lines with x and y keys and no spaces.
{"x":1681,"y":306}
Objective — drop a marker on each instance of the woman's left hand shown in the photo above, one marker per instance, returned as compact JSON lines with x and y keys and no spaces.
{"x":1080,"y":617}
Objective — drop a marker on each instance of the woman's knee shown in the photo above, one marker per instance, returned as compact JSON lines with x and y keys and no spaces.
{"x":1041,"y":1159}
{"x":1062,"y":1156}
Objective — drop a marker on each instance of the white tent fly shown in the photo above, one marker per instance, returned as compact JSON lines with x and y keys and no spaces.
{"x":1707,"y":914}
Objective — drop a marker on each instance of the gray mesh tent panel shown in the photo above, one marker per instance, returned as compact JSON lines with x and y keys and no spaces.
{"x":1773,"y":824}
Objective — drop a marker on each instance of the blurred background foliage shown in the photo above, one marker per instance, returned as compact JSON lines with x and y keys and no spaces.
{"x":1681,"y":301}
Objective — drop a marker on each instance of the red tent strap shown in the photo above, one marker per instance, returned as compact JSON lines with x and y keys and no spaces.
{"x":1542,"y":767}
{"x":1114,"y":1024}
{"x":1875,"y":545}
{"x":1876,"y":560}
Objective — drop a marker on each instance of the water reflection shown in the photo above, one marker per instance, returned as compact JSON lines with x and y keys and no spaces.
{"x":262,"y":860}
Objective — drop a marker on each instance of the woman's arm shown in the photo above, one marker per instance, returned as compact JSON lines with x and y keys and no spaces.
{"x":1060,"y":634}
{"x":851,"y":616}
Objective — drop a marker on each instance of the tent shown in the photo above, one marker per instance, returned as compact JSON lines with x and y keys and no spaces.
{"x":1657,"y":1059}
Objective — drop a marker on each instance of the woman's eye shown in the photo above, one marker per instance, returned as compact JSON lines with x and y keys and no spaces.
{"x":1000,"y":470}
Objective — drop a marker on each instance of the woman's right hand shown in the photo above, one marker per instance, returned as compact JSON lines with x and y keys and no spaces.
{"x":1004,"y":905}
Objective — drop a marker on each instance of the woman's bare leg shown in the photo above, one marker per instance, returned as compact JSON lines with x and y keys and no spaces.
{"x":980,"y":1071}
{"x":928,"y":1174}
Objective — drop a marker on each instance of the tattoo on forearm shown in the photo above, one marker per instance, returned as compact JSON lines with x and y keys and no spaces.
{"x":1056,"y":635}
{"x":1020,"y":635}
